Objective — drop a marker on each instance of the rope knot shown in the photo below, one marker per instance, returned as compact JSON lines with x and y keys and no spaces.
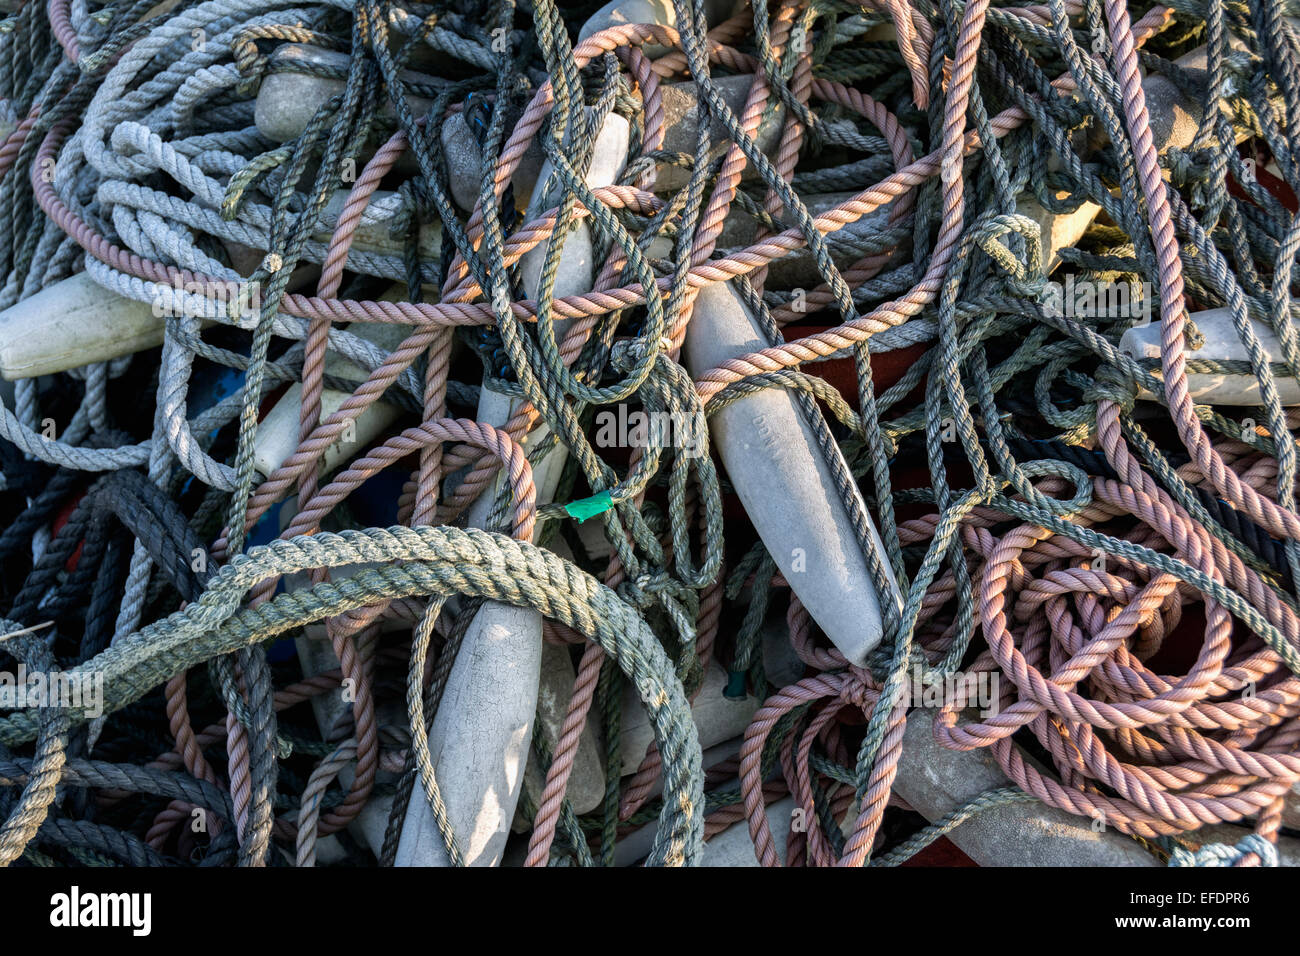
{"x":1025,"y":278}
{"x":1113,"y":385}
{"x":1187,"y":166}
{"x":856,"y":690}
{"x":627,"y":354}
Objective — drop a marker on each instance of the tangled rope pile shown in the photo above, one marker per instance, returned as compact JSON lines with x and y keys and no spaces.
{"x":1061,"y":517}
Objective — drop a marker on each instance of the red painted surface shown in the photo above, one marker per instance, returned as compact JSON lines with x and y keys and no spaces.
{"x":61,"y":519}
{"x":942,"y":852}
{"x":886,"y":367}
{"x":1273,"y":184}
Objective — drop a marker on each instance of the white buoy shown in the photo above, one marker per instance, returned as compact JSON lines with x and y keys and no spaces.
{"x":681,"y":109}
{"x":289,"y":97}
{"x":720,"y":721}
{"x":480,"y":737}
{"x":76,"y":322}
{"x":586,"y":788}
{"x":798,"y":269}
{"x":718,"y":718}
{"x":1222,"y":344}
{"x":735,"y":847}
{"x":465,"y":165}
{"x":784,"y":480}
{"x":662,"y":12}
{"x":278,"y":433}
{"x":72,"y":323}
{"x":374,"y":236}
{"x":1174,"y":114}
{"x":935,"y":781}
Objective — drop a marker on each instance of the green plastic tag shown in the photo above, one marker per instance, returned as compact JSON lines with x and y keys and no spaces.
{"x":586,"y":508}
{"x":735,"y":685}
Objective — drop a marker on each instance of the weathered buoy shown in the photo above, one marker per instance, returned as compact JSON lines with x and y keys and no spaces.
{"x":292,"y":90}
{"x":1222,"y":344}
{"x":72,"y":323}
{"x":662,"y":12}
{"x":798,"y":269}
{"x":717,"y":717}
{"x":681,"y":117}
{"x":682,"y":111}
{"x":734,"y":846}
{"x":278,"y":432}
{"x":480,"y":737}
{"x":783,"y":478}
{"x":935,"y":781}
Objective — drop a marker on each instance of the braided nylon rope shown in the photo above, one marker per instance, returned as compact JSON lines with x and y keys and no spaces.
{"x":1097,"y":555}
